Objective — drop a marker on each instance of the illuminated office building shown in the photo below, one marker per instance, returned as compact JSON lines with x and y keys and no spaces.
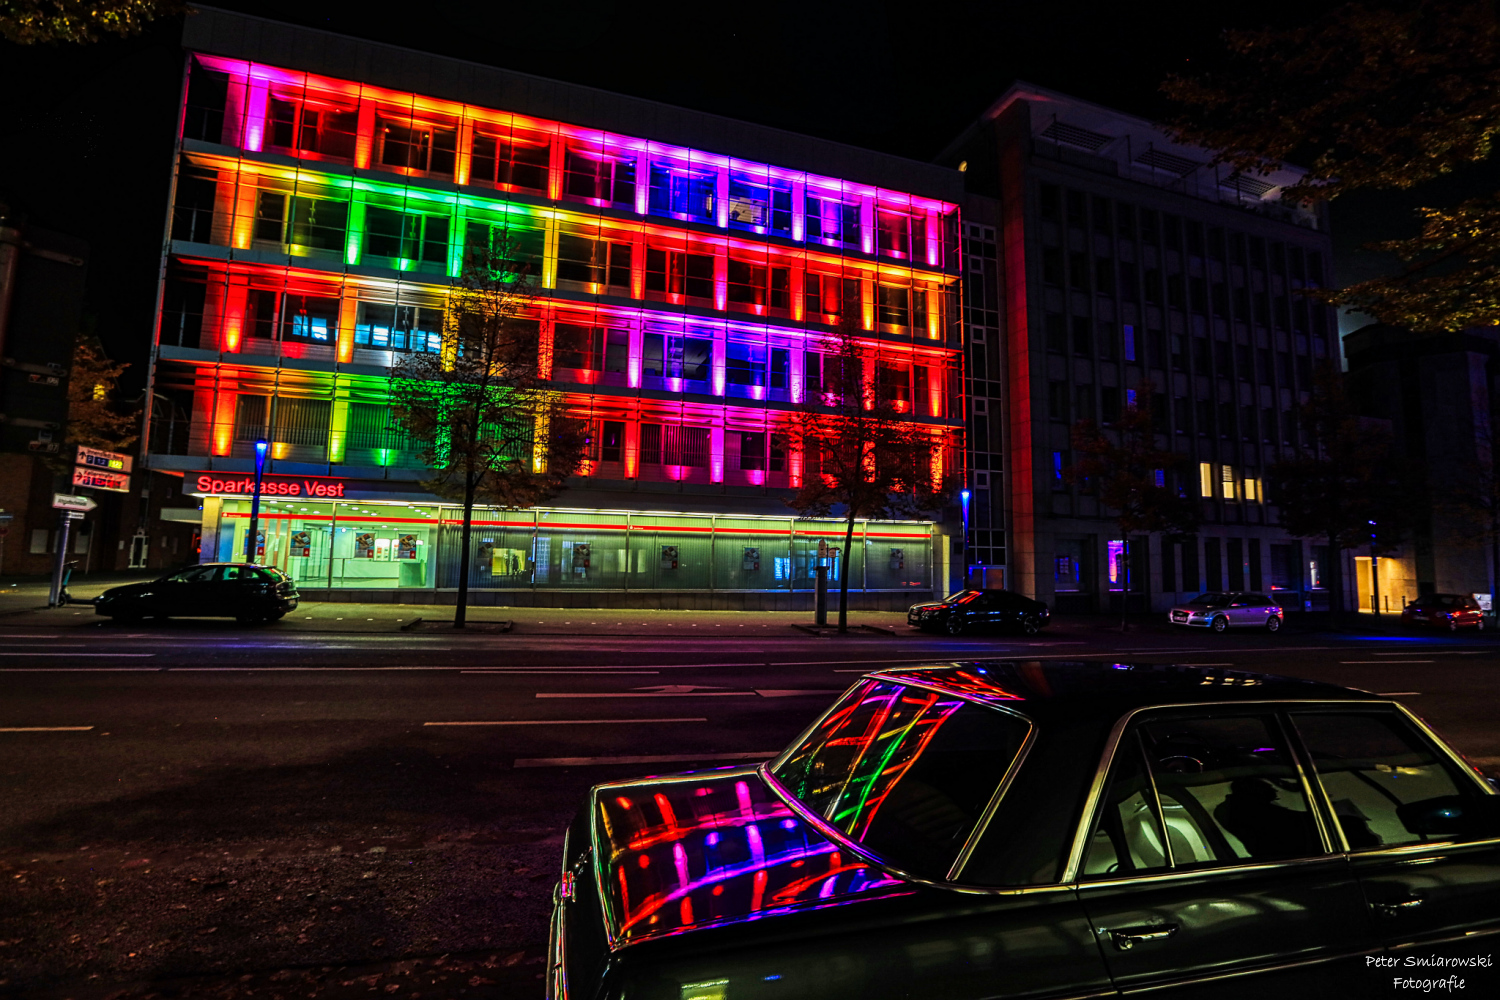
{"x":326,"y":190}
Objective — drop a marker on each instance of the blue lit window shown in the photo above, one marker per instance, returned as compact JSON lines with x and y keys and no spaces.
{"x":682,"y":193}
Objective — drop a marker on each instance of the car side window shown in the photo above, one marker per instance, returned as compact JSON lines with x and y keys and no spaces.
{"x":195,"y":574}
{"x":1127,"y":837}
{"x":1229,"y":791}
{"x":1381,"y":777}
{"x":229,"y":573}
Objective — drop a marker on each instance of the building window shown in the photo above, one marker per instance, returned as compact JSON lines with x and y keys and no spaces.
{"x":415,"y":145}
{"x":893,"y":302}
{"x":586,"y":261}
{"x":744,"y":364}
{"x":311,"y":223}
{"x":832,"y":222}
{"x":671,"y":272}
{"x":671,"y":444}
{"x":1057,"y":340}
{"x":1206,"y":479}
{"x":1227,"y":481}
{"x":518,"y":162}
{"x":682,"y":192}
{"x":600,"y":179}
{"x":399,"y":328}
{"x":1083,"y":337}
{"x":590,"y":348}
{"x":1057,"y":400}
{"x":755,"y":287}
{"x":753,"y":450}
{"x":326,"y":131}
{"x":670,"y":356}
{"x":760,"y":207}
{"x":406,"y":236}
{"x":1129,"y":342}
{"x":895,"y":385}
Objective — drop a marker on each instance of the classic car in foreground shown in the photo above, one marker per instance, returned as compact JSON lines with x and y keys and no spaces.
{"x":1028,"y":829}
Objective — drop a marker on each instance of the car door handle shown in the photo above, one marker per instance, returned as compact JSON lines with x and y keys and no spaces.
{"x":1396,"y":909}
{"x":1126,"y":938}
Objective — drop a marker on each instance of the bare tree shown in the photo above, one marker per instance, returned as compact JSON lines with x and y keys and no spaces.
{"x":1132,"y":477}
{"x":862,"y":450}
{"x":489,"y":427}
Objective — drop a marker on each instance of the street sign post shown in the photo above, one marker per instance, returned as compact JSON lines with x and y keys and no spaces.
{"x":66,"y":501}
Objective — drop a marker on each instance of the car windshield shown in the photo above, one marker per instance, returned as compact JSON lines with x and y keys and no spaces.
{"x":905,"y":771}
{"x":961,"y":597}
{"x":1209,"y":601}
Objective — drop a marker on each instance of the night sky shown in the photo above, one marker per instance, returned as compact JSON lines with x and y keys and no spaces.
{"x":86,"y":131}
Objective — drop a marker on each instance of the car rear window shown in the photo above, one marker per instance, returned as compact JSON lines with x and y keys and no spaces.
{"x":904,"y":771}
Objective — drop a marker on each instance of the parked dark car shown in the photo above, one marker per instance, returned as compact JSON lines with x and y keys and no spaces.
{"x":243,"y":591}
{"x":973,"y":610}
{"x":1033,"y":829}
{"x":1449,"y":611}
{"x":1224,"y":611}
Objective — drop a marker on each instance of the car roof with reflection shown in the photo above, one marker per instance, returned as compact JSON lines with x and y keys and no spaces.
{"x":1041,"y":688}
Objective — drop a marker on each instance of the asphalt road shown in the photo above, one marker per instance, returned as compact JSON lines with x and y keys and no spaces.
{"x":200,"y":809}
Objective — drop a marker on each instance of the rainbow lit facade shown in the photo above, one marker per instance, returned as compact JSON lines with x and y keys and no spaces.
{"x":319,"y":226}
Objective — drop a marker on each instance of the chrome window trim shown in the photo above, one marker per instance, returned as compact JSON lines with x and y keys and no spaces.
{"x":982,"y":824}
{"x":1315,"y":801}
{"x":1111,"y":746}
{"x":1181,"y":874}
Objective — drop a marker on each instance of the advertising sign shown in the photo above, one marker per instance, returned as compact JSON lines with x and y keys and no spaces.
{"x":260,"y":543}
{"x":898,"y":559}
{"x":301,"y":543}
{"x":406,"y":547}
{"x":669,"y":557}
{"x":752,"y":559}
{"x":115,"y":482}
{"x":581,"y":553}
{"x":109,"y":461}
{"x":364,"y":545}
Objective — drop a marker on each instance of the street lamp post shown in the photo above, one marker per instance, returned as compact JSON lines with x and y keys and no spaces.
{"x":260,"y":468}
{"x":1374,"y":572}
{"x":964,"y":498}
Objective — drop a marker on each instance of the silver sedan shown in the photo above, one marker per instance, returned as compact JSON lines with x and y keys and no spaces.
{"x":1222,"y":611}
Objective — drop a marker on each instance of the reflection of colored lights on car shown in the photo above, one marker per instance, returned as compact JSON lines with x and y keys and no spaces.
{"x":714,"y":851}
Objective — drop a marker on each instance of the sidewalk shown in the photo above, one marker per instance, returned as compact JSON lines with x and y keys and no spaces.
{"x":24,"y":608}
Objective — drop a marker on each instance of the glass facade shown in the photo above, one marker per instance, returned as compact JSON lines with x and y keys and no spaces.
{"x":369,"y":545}
{"x":319,"y":226}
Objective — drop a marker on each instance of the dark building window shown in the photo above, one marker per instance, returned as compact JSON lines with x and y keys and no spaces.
{"x":519,"y":161}
{"x":1083,"y":336}
{"x":1057,"y":400}
{"x":1051,"y":202}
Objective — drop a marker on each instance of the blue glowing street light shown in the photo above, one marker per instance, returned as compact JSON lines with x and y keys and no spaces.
{"x":963,"y":497}
{"x":260,"y":468}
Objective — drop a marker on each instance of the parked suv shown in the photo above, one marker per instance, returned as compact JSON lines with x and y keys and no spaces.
{"x":1223,"y":611}
{"x":1449,"y":611}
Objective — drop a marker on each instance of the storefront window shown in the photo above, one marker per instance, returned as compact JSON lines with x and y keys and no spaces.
{"x":387,"y":545}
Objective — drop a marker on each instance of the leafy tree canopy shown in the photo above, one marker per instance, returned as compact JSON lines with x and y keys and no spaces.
{"x":31,"y":22}
{"x":1373,"y":95}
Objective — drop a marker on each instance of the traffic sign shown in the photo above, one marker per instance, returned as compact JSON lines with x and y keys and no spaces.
{"x":109,"y":461}
{"x":75,"y":515}
{"x":65,"y":501}
{"x":99,"y":479}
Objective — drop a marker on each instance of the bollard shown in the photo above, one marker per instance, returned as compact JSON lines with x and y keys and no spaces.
{"x":821,"y":596}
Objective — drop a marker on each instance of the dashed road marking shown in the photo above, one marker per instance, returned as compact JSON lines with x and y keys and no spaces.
{"x":559,"y":722}
{"x":670,"y":758}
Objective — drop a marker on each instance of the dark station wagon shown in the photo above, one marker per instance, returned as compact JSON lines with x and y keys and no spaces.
{"x":1029,"y":829}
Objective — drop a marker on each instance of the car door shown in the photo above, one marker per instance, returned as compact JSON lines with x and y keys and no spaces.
{"x":1390,"y":784}
{"x":1240,"y":610}
{"x":182,"y":593}
{"x":1208,"y":867}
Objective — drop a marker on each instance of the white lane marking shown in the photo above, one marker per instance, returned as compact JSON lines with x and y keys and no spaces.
{"x":45,"y":729}
{"x":646,"y":694}
{"x":29,"y":653}
{"x":1397,"y":694}
{"x":1361,"y":662}
{"x":759,"y":692}
{"x":557,"y":722}
{"x":670,"y":758}
{"x":560,"y":670}
{"x":1203,"y":664}
{"x":27,"y":636}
